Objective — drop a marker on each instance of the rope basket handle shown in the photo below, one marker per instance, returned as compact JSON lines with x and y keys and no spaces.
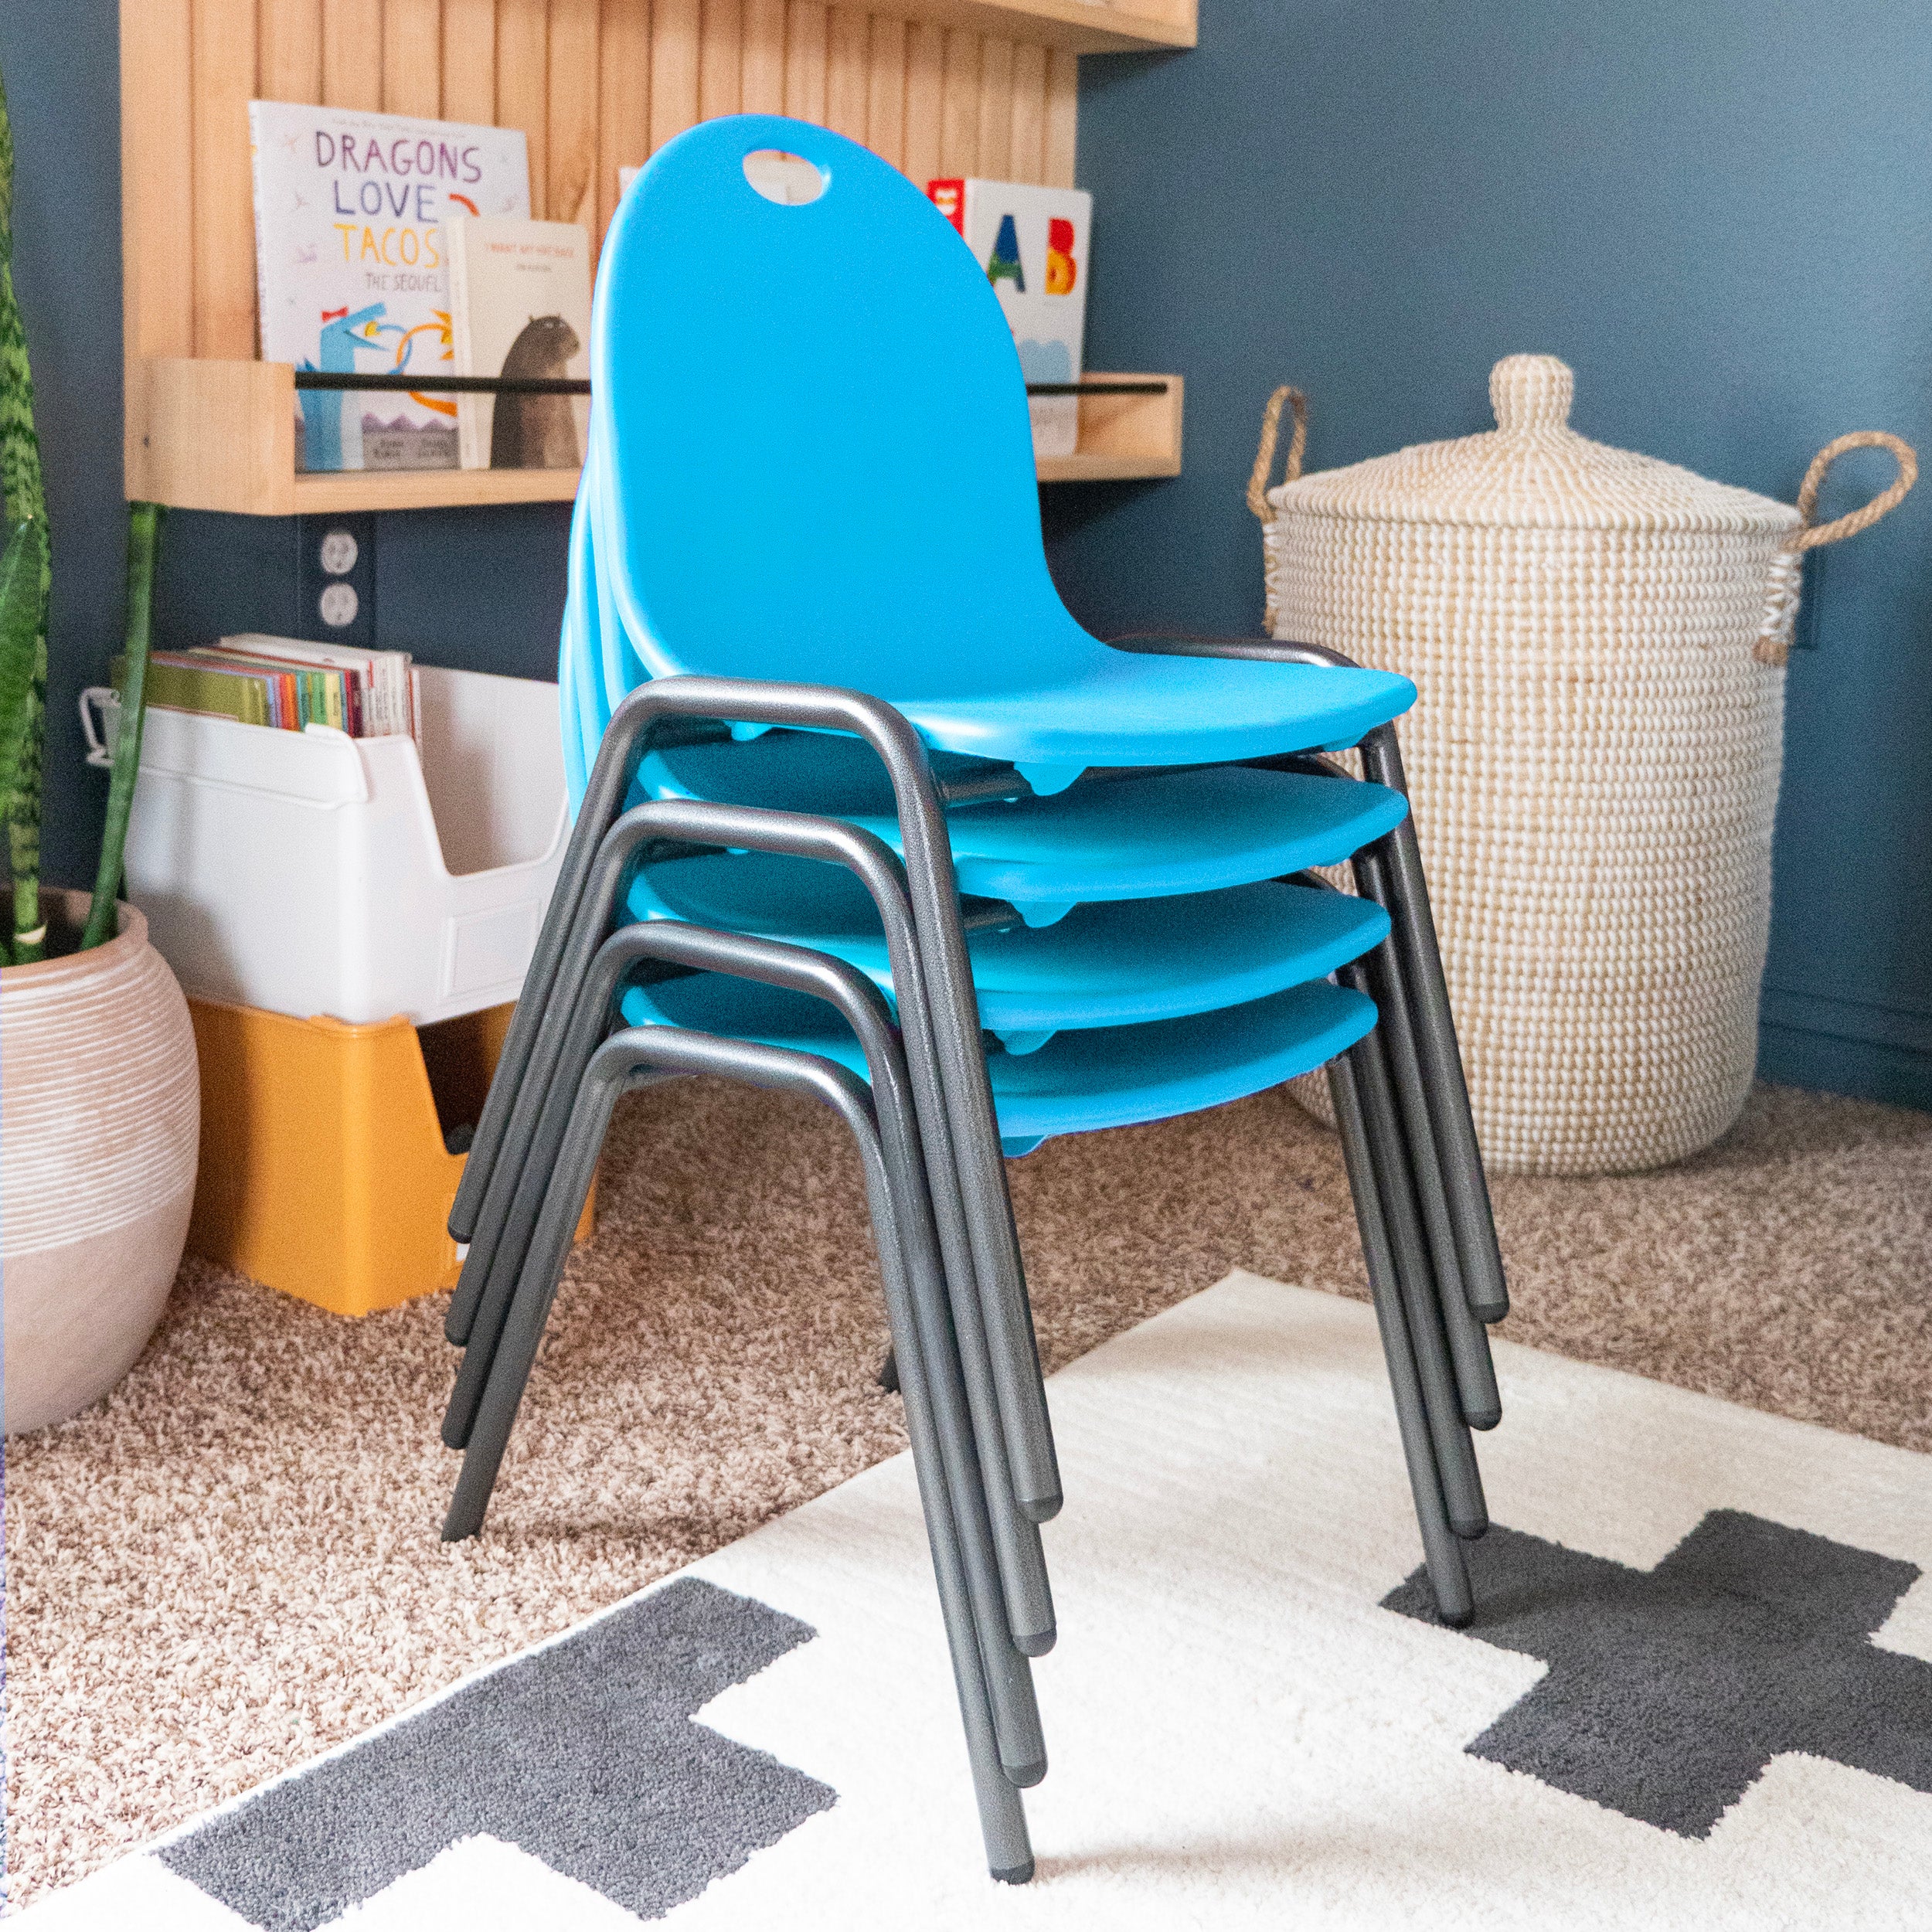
{"x":1774,"y":644}
{"x":1270,"y":434}
{"x":1814,"y":535}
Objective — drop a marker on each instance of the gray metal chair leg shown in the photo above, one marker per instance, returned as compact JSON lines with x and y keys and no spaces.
{"x":1009,"y":1855}
{"x":1444,"y":1083}
{"x":1468,"y":1187}
{"x":491,"y":1270}
{"x":678,"y":704}
{"x":1442,"y":1552}
{"x":1468,"y":1339}
{"x":610,"y":782}
{"x":1455,"y":1453}
{"x":528,"y":1149}
{"x":677,"y":944}
{"x":494,"y":1192}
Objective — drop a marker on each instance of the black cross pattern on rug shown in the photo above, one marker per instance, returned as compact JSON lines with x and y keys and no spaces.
{"x":1670,"y":1689}
{"x":583,"y":1754}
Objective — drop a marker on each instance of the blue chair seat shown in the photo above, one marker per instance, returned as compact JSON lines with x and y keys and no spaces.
{"x":1109,"y":1076}
{"x":1105,"y":707}
{"x":1176,"y":832}
{"x":1109,"y":965}
{"x":1121,"y":707}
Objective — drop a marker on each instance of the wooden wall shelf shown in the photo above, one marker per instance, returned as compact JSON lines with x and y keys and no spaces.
{"x":937,"y":87}
{"x":1124,"y":438}
{"x":221,"y":436}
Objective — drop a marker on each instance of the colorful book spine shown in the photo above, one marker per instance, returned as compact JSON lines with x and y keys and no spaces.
{"x":177,"y":683}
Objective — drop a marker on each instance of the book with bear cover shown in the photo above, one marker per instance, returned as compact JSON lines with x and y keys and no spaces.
{"x":520,"y":305}
{"x":1032,"y":241}
{"x":350,"y":267}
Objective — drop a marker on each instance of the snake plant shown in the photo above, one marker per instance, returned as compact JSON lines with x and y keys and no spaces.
{"x":143,"y":523}
{"x":25,"y":575}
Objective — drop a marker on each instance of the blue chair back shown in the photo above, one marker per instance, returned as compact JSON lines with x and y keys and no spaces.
{"x":817,"y":459}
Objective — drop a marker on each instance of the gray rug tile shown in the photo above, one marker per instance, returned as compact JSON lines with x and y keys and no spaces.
{"x":584,"y":1754}
{"x":1669,"y":1690}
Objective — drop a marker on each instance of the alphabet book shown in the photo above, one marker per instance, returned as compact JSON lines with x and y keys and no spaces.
{"x":351,"y":267}
{"x":1032,"y":241}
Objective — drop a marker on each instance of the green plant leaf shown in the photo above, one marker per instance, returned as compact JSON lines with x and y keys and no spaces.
{"x":143,"y":530}
{"x":22,"y":636}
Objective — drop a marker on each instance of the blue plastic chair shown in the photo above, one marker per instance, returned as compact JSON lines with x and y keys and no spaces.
{"x":810,"y":502}
{"x":1176,"y":831}
{"x":1079,"y":1081}
{"x":1121,"y":963}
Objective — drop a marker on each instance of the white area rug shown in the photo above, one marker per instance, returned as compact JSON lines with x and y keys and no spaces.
{"x":1242,"y":1734}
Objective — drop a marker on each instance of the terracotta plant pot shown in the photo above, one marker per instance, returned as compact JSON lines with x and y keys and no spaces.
{"x":100,"y":1128}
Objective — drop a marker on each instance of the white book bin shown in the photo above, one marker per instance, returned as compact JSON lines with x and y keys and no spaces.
{"x":309,"y":873}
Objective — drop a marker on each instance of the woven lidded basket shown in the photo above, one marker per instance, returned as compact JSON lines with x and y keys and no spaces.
{"x":1598,"y":640}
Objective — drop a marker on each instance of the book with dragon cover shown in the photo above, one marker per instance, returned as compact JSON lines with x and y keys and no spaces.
{"x":351,"y":267}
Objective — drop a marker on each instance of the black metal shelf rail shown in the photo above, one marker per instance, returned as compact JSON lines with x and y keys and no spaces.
{"x":323,"y":379}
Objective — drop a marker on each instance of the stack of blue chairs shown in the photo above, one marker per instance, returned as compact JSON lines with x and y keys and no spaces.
{"x":862,"y":813}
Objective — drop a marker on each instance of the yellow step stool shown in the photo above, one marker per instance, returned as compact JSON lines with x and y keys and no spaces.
{"x":323,"y":1168}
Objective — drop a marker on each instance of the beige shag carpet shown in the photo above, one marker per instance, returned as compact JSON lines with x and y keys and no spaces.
{"x":233,"y":1563}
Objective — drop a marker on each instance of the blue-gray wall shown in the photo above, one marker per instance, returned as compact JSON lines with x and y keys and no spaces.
{"x":62,"y":68}
{"x":1719,"y":211}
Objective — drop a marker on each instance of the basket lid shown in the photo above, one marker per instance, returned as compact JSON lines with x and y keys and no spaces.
{"x":1532,"y":470}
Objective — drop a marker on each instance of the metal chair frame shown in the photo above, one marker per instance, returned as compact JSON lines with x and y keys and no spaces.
{"x":1004,"y":1746}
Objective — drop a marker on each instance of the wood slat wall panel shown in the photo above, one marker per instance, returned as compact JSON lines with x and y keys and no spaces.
{"x":720,"y":59}
{"x":925,"y":83}
{"x":623,"y":101}
{"x":523,"y":84}
{"x":572,"y":188}
{"x":673,"y":69}
{"x":848,"y":44}
{"x":996,"y":109}
{"x":885,"y":89}
{"x":594,"y":84}
{"x":1027,"y":153}
{"x":805,"y":60}
{"x":352,"y":54}
{"x":156,"y":182}
{"x":1062,"y":118}
{"x":959,"y":104}
{"x":288,"y":58}
{"x":763,"y":68}
{"x":223,"y":43}
{"x":412,"y":57}
{"x":469,"y":60}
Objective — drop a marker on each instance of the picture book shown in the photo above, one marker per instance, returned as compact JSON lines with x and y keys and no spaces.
{"x":287,"y":685}
{"x":380,"y":686}
{"x":520,"y":306}
{"x":1032,"y":241}
{"x":179,"y":681}
{"x":350,"y":267}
